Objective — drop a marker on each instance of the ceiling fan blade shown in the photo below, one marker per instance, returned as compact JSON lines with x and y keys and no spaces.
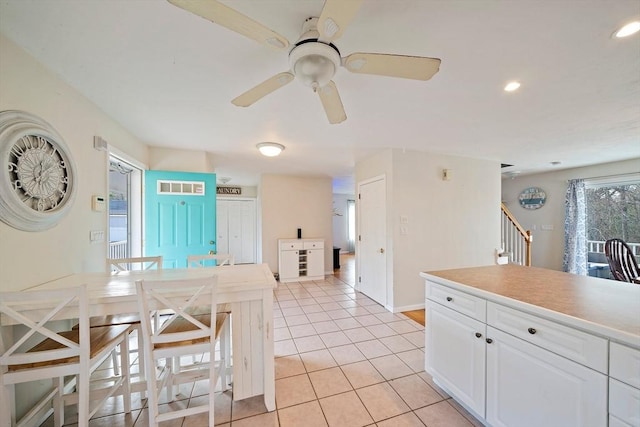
{"x":263,"y":89}
{"x":335,"y":17}
{"x":220,"y":14}
{"x":332,"y":103}
{"x":407,"y":67}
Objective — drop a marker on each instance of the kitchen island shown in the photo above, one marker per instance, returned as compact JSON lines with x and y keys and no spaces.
{"x":525,"y":346}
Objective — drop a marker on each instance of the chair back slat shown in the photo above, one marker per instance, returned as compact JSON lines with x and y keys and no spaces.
{"x":13,"y":304}
{"x":623,"y":265}
{"x":210,"y":260}
{"x":117,"y":265}
{"x":182,"y":325}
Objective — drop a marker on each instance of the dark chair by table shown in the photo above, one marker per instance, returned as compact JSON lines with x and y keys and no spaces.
{"x":623,"y":264}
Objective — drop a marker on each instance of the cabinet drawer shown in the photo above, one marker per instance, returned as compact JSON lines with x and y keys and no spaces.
{"x":581,"y":347}
{"x":318,"y":244}
{"x":291,"y":245}
{"x":624,"y":364}
{"x":462,"y":302}
{"x":624,"y":402}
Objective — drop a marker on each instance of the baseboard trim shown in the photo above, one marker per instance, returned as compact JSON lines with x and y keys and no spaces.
{"x":406,"y":308}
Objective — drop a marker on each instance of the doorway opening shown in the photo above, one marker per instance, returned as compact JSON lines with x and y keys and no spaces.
{"x":125,"y":209}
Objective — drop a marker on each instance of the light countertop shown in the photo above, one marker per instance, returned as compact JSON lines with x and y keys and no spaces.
{"x":605,"y":307}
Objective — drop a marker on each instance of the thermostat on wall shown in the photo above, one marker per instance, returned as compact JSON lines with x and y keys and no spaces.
{"x":97,"y":203}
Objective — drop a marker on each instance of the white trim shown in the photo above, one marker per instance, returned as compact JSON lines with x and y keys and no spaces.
{"x":368,"y":181}
{"x":114,"y":152}
{"x":613,"y":180}
{"x":406,"y":308}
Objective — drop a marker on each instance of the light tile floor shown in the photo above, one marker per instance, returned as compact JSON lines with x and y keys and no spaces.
{"x":341,"y":359}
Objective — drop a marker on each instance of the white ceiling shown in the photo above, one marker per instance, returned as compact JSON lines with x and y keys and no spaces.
{"x":168,"y":76}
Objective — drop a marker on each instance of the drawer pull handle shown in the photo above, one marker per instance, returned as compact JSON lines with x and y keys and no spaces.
{"x":532,"y":331}
{"x":449,"y":299}
{"x":478,"y":335}
{"x":489,"y":340}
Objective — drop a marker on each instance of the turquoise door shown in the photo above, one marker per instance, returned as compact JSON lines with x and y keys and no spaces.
{"x":180,"y":215}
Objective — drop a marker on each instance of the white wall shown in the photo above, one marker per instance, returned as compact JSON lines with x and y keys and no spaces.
{"x":548,"y":245}
{"x":291,"y":202}
{"x":341,"y":221}
{"x":27,"y":85}
{"x":171,"y":159}
{"x":451,"y":224}
{"x":28,"y":258}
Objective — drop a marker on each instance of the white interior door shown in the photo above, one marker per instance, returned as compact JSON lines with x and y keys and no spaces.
{"x":236,"y":224}
{"x":372,"y":235}
{"x":222,"y":219}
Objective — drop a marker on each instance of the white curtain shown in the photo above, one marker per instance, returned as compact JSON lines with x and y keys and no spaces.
{"x":575,"y":229}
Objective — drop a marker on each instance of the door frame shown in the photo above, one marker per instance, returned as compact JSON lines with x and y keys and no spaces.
{"x":358,"y":254}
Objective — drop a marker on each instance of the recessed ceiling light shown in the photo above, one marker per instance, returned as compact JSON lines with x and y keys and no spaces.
{"x":270,"y":149}
{"x":629,"y":29}
{"x":511,"y":86}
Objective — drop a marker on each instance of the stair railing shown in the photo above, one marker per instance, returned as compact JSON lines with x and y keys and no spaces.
{"x":515,"y":239}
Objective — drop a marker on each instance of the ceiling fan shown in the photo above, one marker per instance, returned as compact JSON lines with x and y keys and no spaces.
{"x":314,"y":59}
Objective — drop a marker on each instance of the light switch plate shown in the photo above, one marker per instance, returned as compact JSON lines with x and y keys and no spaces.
{"x":96,"y":236}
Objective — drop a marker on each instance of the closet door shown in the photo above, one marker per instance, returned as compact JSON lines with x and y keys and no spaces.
{"x":236,"y":224}
{"x":222,"y":220}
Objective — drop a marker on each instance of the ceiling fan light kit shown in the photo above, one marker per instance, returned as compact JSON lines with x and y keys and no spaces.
{"x":314,"y":60}
{"x":314,"y":63}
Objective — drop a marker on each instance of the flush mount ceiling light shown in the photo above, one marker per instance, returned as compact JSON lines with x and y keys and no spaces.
{"x":511,"y":86}
{"x":628,"y":30}
{"x":270,"y":149}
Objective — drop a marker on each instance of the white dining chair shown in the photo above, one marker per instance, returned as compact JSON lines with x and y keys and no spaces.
{"x":186,"y":332}
{"x":117,"y":265}
{"x":38,"y":352}
{"x":210,"y":260}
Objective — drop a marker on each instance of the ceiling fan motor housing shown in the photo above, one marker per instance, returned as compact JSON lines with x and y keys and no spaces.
{"x":314,"y":63}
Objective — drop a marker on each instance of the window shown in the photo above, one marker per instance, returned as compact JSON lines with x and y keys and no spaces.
{"x":351,"y":225}
{"x":613,"y":211}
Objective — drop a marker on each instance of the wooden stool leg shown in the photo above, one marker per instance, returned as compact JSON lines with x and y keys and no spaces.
{"x":126,"y":373}
{"x":141,"y":362}
{"x":58,"y":402}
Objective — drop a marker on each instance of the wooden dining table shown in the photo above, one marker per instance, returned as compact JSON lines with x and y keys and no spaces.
{"x":247,"y":288}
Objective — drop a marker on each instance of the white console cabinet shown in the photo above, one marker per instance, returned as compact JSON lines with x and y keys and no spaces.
{"x":300,"y":259}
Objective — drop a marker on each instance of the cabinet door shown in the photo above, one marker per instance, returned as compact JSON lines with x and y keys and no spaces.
{"x":315,"y":262}
{"x":455,"y":354}
{"x":528,"y":386}
{"x":289,"y":264}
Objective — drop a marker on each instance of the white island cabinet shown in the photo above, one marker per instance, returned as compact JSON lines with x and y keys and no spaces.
{"x":521,"y":346}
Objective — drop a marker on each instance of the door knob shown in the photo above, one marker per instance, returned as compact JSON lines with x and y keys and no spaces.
{"x":381,"y":250}
{"x":212,"y":252}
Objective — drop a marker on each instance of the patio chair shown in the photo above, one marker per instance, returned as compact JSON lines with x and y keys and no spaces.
{"x":623,"y":265}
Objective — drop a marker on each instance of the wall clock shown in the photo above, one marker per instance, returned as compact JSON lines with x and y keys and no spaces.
{"x":532,"y":198}
{"x":37,"y":186}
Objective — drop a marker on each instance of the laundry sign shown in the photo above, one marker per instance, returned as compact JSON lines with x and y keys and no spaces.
{"x":229,"y":190}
